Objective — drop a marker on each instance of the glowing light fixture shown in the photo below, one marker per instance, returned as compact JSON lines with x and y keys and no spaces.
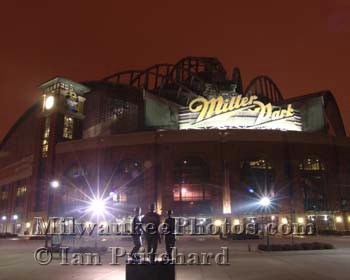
{"x":251,"y":190}
{"x":28,"y":225}
{"x":4,"y":218}
{"x":183,"y":190}
{"x":55,"y":184}
{"x":15,"y":217}
{"x":49,"y":102}
{"x":235,"y":222}
{"x":338,"y":219}
{"x":284,"y":221}
{"x":265,"y":201}
{"x":97,"y":207}
{"x":218,"y":223}
{"x":300,"y":220}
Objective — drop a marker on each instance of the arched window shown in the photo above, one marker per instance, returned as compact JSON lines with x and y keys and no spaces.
{"x":129,"y":169}
{"x":191,"y":180}
{"x":75,"y":171}
{"x":258,"y":180}
{"x":21,"y":192}
{"x":313,"y":183}
{"x":311,"y":163}
{"x":257,"y":176}
{"x":128,"y":178}
{"x":191,"y":170}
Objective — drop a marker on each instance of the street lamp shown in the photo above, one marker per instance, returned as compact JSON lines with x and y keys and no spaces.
{"x":266,"y":202}
{"x":97,"y":207}
{"x":14,"y":218}
{"x":54,"y":184}
{"x":4,"y":218}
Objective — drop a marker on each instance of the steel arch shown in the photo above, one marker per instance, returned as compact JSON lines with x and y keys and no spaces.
{"x":264,"y":86}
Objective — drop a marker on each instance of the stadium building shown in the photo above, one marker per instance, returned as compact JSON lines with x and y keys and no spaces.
{"x":184,"y":136}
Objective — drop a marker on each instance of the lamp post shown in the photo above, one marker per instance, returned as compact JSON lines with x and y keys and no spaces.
{"x":53,"y":184}
{"x":265,"y":202}
{"x":97,"y":207}
{"x":4,"y":219}
{"x":292,"y":220}
{"x":14,"y":218}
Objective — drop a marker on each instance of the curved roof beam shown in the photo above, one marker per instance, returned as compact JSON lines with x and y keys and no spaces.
{"x":264,"y":86}
{"x":119,"y":77}
{"x":152,"y":77}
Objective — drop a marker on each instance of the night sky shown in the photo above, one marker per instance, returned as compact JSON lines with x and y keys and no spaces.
{"x":303,"y":47}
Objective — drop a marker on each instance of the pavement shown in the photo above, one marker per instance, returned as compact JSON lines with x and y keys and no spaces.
{"x":17,"y":260}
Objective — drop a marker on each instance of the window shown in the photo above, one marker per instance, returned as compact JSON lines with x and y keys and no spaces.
{"x":76,"y":171}
{"x":257,"y":173}
{"x":258,"y":179}
{"x":129,"y":169}
{"x":256,"y":164}
{"x":313,"y":183}
{"x":191,"y":170}
{"x":311,"y":163}
{"x":71,"y":102}
{"x":191,"y":180}
{"x":45,"y":143}
{"x":68,"y":127}
{"x":127,"y":181}
{"x":191,"y":193}
{"x":118,"y":196}
{"x":116,"y":109}
{"x":4,"y":195}
{"x":21,"y":191}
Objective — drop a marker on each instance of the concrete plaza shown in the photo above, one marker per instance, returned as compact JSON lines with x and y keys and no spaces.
{"x":17,"y":261}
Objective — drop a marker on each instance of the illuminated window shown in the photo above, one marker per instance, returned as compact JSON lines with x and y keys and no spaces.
{"x":68,"y":127}
{"x":191,"y":193}
{"x":313,"y":183}
{"x":4,"y":195}
{"x":45,"y":143}
{"x":21,"y":191}
{"x":192,"y":180}
{"x":191,"y":170}
{"x":71,"y":102}
{"x":256,"y":164}
{"x":118,"y":196}
{"x":311,"y":163}
{"x":257,"y":178}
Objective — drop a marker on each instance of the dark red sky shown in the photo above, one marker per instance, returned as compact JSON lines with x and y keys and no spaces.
{"x":304,"y":46}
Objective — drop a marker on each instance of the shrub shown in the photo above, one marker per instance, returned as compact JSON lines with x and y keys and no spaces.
{"x":328,"y":246}
{"x":88,"y":250}
{"x":243,"y":236}
{"x":8,"y":235}
{"x":296,"y":247}
{"x":262,"y":247}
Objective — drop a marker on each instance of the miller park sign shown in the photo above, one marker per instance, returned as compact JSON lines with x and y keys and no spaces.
{"x":240,"y":112}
